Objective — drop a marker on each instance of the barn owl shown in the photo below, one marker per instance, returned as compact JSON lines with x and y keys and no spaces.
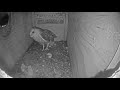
{"x":43,"y":36}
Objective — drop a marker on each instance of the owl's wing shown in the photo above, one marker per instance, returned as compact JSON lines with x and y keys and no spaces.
{"x":46,"y":37}
{"x":50,"y":33}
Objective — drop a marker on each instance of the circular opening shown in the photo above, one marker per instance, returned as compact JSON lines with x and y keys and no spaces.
{"x":4,"y":19}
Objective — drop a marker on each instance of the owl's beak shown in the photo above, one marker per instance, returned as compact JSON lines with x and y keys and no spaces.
{"x":31,"y":33}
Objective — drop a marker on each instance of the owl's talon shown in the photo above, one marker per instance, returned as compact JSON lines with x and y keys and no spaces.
{"x":43,"y":47}
{"x":47,"y":47}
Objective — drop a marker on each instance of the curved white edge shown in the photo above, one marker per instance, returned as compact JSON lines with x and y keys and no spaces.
{"x":115,"y":60}
{"x":4,"y":75}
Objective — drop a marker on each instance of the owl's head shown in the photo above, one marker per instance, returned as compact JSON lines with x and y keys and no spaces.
{"x":34,"y":33}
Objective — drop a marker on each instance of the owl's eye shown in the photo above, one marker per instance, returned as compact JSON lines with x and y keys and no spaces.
{"x":32,"y":32}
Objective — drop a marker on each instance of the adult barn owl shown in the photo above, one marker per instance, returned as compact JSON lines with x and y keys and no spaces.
{"x":43,"y":36}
